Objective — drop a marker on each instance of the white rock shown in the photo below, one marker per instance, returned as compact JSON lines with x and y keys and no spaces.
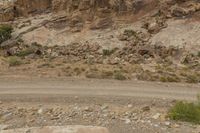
{"x":156,"y":116}
{"x":130,"y":106}
{"x":127,"y":121}
{"x":167,"y":123}
{"x":40,"y":111}
{"x":156,"y":125}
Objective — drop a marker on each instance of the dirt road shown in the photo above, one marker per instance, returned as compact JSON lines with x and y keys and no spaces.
{"x":87,"y":87}
{"x":121,"y":106}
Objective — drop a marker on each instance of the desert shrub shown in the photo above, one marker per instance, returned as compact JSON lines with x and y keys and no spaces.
{"x":108,"y":52}
{"x":25,"y":52}
{"x":173,"y":78}
{"x":5,"y":32}
{"x":192,"y":78}
{"x":119,"y":76}
{"x":129,"y":32}
{"x":186,"y":111}
{"x":78,"y":71}
{"x":14,"y":61}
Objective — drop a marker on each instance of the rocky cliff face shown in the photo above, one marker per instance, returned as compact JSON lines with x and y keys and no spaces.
{"x":89,"y":8}
{"x":26,"y":7}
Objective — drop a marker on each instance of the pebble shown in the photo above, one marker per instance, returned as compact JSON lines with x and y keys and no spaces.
{"x":130,"y":106}
{"x":156,"y":116}
{"x":156,"y":125}
{"x":3,"y":127}
{"x":40,"y":111}
{"x":104,"y":107}
{"x":176,"y":126}
{"x":167,"y":123}
{"x":146,"y":108}
{"x":127,"y":121}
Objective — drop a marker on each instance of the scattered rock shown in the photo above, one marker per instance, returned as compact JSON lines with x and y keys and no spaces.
{"x":176,"y":125}
{"x":101,"y":24}
{"x":104,"y":107}
{"x":146,"y":108}
{"x":88,"y":109}
{"x":66,"y":129}
{"x":167,"y":123}
{"x":127,"y":121}
{"x":178,"y":11}
{"x":156,"y":116}
{"x":40,"y":111}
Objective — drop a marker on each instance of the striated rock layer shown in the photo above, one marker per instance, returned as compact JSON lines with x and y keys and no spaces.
{"x":90,"y":8}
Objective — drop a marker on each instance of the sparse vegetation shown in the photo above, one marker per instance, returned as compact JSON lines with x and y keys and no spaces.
{"x":185,"y":111}
{"x":119,"y":76}
{"x":77,"y":71}
{"x":25,"y":52}
{"x":192,"y":78}
{"x":198,"y":54}
{"x":129,"y":32}
{"x":5,"y":32}
{"x":108,"y":52}
{"x":173,"y":78}
{"x":46,"y":65}
{"x":14,"y":61}
{"x":106,"y":74}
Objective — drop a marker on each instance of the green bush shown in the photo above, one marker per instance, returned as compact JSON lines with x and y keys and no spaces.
{"x":14,"y":61}
{"x":5,"y":32}
{"x":184,"y":111}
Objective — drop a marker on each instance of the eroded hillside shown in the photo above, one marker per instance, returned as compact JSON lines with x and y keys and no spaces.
{"x":123,"y":39}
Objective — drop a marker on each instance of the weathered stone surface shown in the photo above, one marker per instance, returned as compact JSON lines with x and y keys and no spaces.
{"x":87,"y":8}
{"x":6,"y":11}
{"x":25,"y":7}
